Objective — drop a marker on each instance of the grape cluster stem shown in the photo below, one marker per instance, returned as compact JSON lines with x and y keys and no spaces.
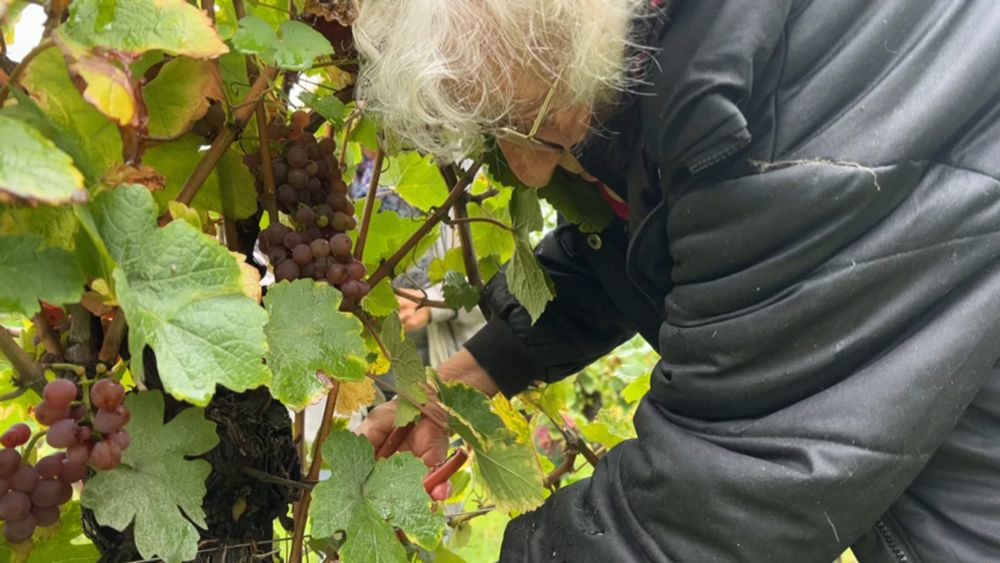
{"x":302,"y":507}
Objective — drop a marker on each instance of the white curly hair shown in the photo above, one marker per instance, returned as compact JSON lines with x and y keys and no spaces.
{"x":438,"y":73}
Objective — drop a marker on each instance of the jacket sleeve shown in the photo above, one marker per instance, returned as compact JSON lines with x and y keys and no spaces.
{"x":581,"y":324}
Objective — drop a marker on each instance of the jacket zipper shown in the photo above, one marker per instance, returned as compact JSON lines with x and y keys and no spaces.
{"x":896,"y":549}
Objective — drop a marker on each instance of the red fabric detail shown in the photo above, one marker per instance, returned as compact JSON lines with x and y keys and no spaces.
{"x":619,"y":207}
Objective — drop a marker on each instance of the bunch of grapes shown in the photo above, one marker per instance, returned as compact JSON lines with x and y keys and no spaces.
{"x":30,"y":495}
{"x":311,"y":191}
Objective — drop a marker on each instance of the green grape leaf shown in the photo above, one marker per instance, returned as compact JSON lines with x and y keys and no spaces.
{"x":56,"y":224}
{"x":182,"y":295}
{"x":33,"y":169}
{"x":300,"y":45}
{"x":63,"y":542}
{"x":527,"y":281}
{"x":156,"y":487}
{"x":512,"y":475}
{"x":137,"y":26}
{"x":452,"y":261}
{"x":525,"y":211}
{"x":255,"y":37}
{"x":470,"y":415}
{"x":35,"y":272}
{"x":365,"y":132}
{"x":607,"y":431}
{"x":307,"y":333}
{"x":637,"y":388}
{"x":417,"y":180}
{"x":179,"y":95}
{"x":578,"y":201}
{"x":505,"y":464}
{"x":78,"y":128}
{"x":382,"y":300}
{"x":367,"y":499}
{"x":293,"y":47}
{"x":330,"y":107}
{"x":488,"y":239}
{"x":458,"y":293}
{"x":229,"y":190}
{"x":408,"y":367}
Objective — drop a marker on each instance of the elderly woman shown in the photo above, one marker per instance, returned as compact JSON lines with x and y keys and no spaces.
{"x":809,"y":215}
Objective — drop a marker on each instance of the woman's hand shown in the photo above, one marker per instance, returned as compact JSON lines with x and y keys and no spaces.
{"x":428,"y":440}
{"x":411,"y":315}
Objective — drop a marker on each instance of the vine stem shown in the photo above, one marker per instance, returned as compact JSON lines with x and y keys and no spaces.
{"x":31,"y":374}
{"x":421,"y":301}
{"x":464,"y":231}
{"x":270,"y":199}
{"x":225,"y":138}
{"x":565,"y":467}
{"x":389,"y":265}
{"x":15,"y":76}
{"x":113,"y":339}
{"x":31,"y":444}
{"x":302,"y":507}
{"x":463,"y":517}
{"x":366,"y":219}
{"x":468,"y":220}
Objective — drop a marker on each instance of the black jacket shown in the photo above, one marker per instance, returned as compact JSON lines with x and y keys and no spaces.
{"x":815,"y":202}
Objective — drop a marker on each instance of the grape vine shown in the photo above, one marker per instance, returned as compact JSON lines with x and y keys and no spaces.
{"x":215,"y":238}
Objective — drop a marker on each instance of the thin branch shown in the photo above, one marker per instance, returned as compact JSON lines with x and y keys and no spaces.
{"x":113,"y":337}
{"x":77,"y":369}
{"x":13,"y":394}
{"x":389,"y":265}
{"x":478,"y":199}
{"x":225,"y":138}
{"x":467,"y":220}
{"x":299,"y":438}
{"x":302,"y":508}
{"x":461,"y":213}
{"x":30,"y":374}
{"x":564,"y":468}
{"x":19,"y":69}
{"x":366,"y":218}
{"x":268,"y":478}
{"x":463,"y":517}
{"x":270,"y":199}
{"x":421,"y":301}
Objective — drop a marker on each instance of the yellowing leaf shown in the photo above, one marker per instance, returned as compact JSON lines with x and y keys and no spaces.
{"x":108,"y":89}
{"x":83,"y":132}
{"x":353,"y":395}
{"x":249,"y":277}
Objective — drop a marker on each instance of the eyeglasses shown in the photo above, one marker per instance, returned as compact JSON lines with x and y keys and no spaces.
{"x":529,"y":140}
